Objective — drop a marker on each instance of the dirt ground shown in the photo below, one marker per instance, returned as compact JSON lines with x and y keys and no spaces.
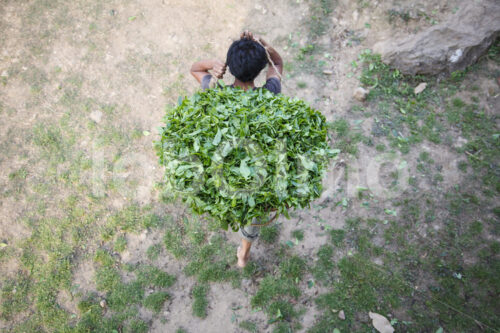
{"x":103,"y":72}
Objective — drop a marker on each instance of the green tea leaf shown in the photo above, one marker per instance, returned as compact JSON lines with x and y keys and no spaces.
{"x":244,"y":169}
{"x":217,"y":138}
{"x":196,"y":144}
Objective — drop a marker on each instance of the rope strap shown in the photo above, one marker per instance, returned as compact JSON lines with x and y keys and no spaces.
{"x":268,"y":222}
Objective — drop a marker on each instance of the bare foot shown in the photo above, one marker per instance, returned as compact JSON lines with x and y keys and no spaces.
{"x":242,"y":259}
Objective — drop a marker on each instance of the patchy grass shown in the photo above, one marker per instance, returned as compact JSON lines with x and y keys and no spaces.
{"x":275,"y":293}
{"x":425,"y":260}
{"x":406,"y":118}
{"x":200,"y":302}
{"x":360,"y":287}
{"x":269,"y":234}
{"x":345,"y":139}
{"x":48,"y":254}
{"x":208,"y":260}
{"x":155,"y":301}
{"x":249,"y":326}
{"x":123,"y":298}
{"x":154,"y":251}
{"x":120,"y":244}
{"x":319,"y":13}
{"x":298,"y":235}
{"x":312,"y":57}
{"x":323,"y":270}
{"x":409,"y":260}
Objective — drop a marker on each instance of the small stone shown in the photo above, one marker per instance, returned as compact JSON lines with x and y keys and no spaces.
{"x":342,"y":315}
{"x":420,"y":88}
{"x":246,"y":283}
{"x":360,"y":94}
{"x":96,"y":116}
{"x":5,"y":73}
{"x":103,"y":303}
{"x":355,"y":16}
{"x":491,"y":91}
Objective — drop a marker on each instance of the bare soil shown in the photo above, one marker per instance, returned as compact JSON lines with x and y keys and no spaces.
{"x":133,"y":57}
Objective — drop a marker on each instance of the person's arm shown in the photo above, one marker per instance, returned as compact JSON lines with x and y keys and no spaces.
{"x":276,"y":59}
{"x":201,"y":68}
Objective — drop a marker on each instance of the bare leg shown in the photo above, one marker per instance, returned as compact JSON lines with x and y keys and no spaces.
{"x":243,"y":252}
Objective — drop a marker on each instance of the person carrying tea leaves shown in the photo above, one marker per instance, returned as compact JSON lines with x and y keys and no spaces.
{"x":246,"y":58}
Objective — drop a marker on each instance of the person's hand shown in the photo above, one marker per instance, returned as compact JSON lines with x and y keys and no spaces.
{"x":219,"y":69}
{"x":247,"y":35}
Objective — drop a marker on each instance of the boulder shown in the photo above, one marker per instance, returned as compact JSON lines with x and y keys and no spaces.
{"x":449,"y":46}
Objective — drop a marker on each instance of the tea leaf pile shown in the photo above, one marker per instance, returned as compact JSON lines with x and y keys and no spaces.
{"x":238,"y":155}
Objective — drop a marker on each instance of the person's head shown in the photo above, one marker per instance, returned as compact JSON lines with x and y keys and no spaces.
{"x":245,"y":59}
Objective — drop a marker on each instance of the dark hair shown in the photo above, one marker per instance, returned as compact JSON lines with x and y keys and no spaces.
{"x":246,"y":58}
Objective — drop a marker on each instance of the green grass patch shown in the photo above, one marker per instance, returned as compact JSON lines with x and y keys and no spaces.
{"x":276,"y":292}
{"x":298,"y":235}
{"x":269,"y":234}
{"x":49,"y":139}
{"x":209,"y":260}
{"x":249,"y":326}
{"x":154,"y":277}
{"x":337,"y":236}
{"x":137,"y":326}
{"x":154,"y":251}
{"x":323,"y":270}
{"x":270,"y":288}
{"x":155,"y":301}
{"x":123,"y":299}
{"x":344,"y":138}
{"x":200,"y":301}
{"x":361,"y":287}
{"x":293,"y":268}
{"x":133,"y":219}
{"x":120,"y":244}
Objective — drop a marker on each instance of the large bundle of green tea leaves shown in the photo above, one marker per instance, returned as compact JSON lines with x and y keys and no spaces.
{"x":239,"y":155}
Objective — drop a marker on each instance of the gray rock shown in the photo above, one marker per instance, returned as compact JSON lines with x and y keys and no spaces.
{"x":449,"y":46}
{"x":246,"y":283}
{"x":342,"y":315}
